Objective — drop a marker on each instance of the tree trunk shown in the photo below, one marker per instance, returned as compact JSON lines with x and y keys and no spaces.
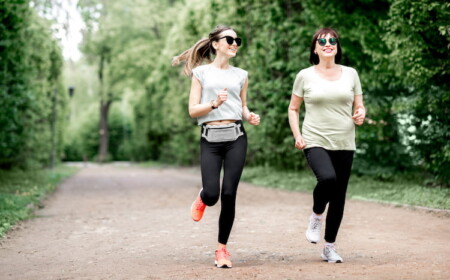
{"x":103,"y":130}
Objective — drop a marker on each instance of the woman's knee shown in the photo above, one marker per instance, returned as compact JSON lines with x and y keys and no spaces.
{"x":228,"y":196}
{"x":210,"y":198}
{"x":327,"y":179}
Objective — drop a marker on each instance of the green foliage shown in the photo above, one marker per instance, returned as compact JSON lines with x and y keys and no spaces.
{"x":123,"y":40}
{"x":83,"y":141}
{"x":22,"y":191}
{"x":164,"y":128}
{"x":428,"y":134}
{"x":31,"y":95}
{"x":120,"y":129}
{"x":418,"y":35}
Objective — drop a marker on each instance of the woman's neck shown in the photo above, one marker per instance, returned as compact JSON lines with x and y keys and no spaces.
{"x":325,"y":64}
{"x":221,"y":62}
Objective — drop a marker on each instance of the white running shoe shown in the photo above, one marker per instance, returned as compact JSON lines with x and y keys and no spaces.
{"x":313,"y":231}
{"x":330,"y":255}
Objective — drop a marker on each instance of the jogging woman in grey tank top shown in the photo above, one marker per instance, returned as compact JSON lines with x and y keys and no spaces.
{"x":218,"y":99}
{"x":333,"y":103}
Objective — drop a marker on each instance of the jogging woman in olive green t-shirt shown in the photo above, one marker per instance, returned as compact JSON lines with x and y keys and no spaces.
{"x":333,"y":105}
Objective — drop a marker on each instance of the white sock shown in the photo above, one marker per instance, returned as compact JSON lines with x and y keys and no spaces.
{"x":327,"y":244}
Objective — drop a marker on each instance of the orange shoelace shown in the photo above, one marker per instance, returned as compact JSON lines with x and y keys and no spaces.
{"x":199,"y":205}
{"x":222,"y":254}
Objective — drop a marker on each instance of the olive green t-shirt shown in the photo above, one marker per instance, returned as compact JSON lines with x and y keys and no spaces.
{"x":328,"y":120}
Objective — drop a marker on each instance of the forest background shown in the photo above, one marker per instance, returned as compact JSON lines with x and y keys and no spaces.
{"x":124,"y":101}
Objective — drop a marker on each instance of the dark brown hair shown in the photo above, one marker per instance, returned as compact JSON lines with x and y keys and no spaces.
{"x":200,"y":51}
{"x":314,"y":58}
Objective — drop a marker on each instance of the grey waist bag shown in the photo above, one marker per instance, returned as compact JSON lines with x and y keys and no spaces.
{"x":222,"y":133}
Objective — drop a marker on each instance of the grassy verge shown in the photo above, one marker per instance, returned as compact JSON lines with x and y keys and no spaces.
{"x":400,"y":190}
{"x":22,"y":191}
{"x":152,"y":164}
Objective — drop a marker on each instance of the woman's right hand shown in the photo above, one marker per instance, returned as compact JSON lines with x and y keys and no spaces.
{"x":222,"y":96}
{"x":300,"y":143}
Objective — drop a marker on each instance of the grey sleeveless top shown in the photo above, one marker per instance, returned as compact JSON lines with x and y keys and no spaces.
{"x":214,"y":80}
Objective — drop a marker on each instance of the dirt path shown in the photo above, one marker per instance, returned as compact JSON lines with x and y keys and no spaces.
{"x":114,"y":222}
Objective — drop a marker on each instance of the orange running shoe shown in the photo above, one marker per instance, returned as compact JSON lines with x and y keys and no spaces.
{"x":198,"y":208}
{"x":223,"y":259}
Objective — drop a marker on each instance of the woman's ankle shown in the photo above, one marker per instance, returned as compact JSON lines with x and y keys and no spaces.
{"x":221,"y":246}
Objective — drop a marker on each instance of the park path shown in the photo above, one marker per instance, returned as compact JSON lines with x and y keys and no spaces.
{"x":125,"y":222}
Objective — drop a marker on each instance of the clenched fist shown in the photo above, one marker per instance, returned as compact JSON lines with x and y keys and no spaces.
{"x":222,"y":96}
{"x":253,"y":119}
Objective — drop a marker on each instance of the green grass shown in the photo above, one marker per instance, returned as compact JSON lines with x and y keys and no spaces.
{"x":400,"y":190}
{"x":152,"y":164}
{"x":22,"y":191}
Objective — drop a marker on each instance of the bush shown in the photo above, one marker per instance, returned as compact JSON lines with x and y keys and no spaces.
{"x":32,"y":99}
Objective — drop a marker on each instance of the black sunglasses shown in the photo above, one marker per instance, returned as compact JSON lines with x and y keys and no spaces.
{"x":322,"y":41}
{"x":231,"y":39}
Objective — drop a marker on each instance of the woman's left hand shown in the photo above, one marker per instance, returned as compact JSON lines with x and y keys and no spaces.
{"x":358,"y":116}
{"x":253,"y":119}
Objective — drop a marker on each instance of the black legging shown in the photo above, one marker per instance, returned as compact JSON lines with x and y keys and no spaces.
{"x":232,"y":155}
{"x":332,"y":170}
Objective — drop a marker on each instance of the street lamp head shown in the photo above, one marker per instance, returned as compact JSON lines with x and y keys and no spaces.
{"x":71,"y":91}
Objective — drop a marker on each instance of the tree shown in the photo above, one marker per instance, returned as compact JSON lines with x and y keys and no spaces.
{"x":418,"y":37}
{"x":30,"y":80}
{"x":121,"y":39}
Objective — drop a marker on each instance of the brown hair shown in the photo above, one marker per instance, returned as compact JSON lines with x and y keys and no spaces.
{"x":314,"y":58}
{"x":200,"y":51}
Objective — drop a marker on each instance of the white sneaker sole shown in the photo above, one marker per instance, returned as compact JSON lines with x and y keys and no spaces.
{"x":223,"y":266}
{"x":311,"y":241}
{"x":330,"y":261}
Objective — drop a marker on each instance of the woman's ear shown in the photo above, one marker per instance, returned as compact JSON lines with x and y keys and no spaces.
{"x":215,"y":45}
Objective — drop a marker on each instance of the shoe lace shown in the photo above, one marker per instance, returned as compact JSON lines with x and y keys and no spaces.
{"x":316,"y":225}
{"x":331,"y":252}
{"x":199,"y":205}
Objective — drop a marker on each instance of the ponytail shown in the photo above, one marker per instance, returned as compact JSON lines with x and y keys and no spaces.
{"x":195,"y":56}
{"x":202,"y":50}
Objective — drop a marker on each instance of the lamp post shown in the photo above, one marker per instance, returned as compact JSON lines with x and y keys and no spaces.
{"x":71,"y":91}
{"x":53,"y":129}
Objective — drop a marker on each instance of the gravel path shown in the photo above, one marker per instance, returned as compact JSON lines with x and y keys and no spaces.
{"x":125,"y":222}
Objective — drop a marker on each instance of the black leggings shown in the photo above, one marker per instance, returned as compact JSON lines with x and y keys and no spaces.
{"x":332,"y":170}
{"x":231,"y":155}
